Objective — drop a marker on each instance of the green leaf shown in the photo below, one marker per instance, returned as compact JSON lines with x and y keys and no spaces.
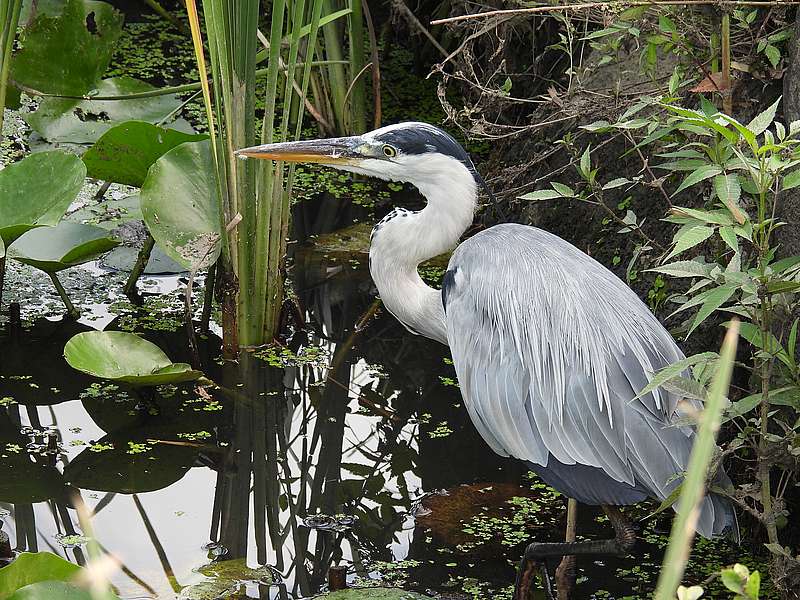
{"x":615,"y":183}
{"x":782,"y":287}
{"x":541,"y":195}
{"x":30,"y":568}
{"x":729,"y":237}
{"x":690,"y":237}
{"x":52,"y":249}
{"x":37,"y":191}
{"x":676,"y":369}
{"x":109,"y":214}
{"x":729,"y":191}
{"x":717,"y":217}
{"x":562,"y":189}
{"x":791,"y":180}
{"x":586,"y":162}
{"x":84,"y":121}
{"x":697,"y":176}
{"x":58,"y":590}
{"x":773,"y":55}
{"x":713,"y":301}
{"x":122,"y":356}
{"x":179,"y":205}
{"x":125,"y":152}
{"x":61,"y":55}
{"x":684,"y":268}
{"x":760,"y":123}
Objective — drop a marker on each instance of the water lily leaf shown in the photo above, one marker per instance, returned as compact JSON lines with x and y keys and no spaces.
{"x":124,"y":257}
{"x":109,"y":214}
{"x":226,"y":577}
{"x":31,"y":567}
{"x":131,"y":461}
{"x":50,"y":590}
{"x":37,"y":191}
{"x":124,"y":153}
{"x":180,"y":207}
{"x":373,"y":594}
{"x":84,"y":121}
{"x":67,"y":54}
{"x":122,"y":356}
{"x":52,"y":249}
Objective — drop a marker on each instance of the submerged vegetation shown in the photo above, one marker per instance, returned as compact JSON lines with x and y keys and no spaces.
{"x":269,"y":427}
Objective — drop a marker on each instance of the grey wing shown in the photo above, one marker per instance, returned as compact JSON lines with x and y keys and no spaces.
{"x":550,"y":349}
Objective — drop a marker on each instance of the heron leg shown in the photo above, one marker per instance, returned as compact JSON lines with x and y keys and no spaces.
{"x":538,"y":553}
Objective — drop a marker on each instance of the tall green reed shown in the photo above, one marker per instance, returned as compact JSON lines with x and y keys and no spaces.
{"x":693,"y":487}
{"x":253,"y":195}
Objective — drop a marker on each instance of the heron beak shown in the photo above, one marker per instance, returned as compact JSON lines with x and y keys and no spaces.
{"x":333,"y":151}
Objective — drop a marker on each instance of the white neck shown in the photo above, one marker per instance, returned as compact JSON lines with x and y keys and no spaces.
{"x":401,"y":242}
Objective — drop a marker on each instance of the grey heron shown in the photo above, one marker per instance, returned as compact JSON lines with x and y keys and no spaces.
{"x":549,"y":346}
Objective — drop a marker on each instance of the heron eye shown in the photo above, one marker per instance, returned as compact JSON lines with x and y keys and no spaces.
{"x":390,"y":151}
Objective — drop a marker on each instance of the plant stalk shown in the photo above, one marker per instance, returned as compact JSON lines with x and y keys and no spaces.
{"x":727,"y":92}
{"x":71,"y":310}
{"x":139,"y":266}
{"x":9,"y":20}
{"x":693,"y":490}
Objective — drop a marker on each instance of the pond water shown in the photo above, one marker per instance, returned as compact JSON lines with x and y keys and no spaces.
{"x":347,"y":444}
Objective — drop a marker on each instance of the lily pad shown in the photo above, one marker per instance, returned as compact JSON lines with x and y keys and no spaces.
{"x":373,"y":594}
{"x":132,"y":461}
{"x":124,"y":153}
{"x":53,"y":249}
{"x":52,"y":590}
{"x":124,"y":257}
{"x":84,"y":121}
{"x":226,"y":577}
{"x":180,"y":207}
{"x":122,"y":356}
{"x":37,"y":191}
{"x":67,"y":54}
{"x":109,"y":214}
{"x":31,"y":567}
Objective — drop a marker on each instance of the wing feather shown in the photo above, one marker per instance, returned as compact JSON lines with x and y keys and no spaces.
{"x":551,"y":348}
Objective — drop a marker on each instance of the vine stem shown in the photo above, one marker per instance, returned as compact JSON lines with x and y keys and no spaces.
{"x":589,"y":5}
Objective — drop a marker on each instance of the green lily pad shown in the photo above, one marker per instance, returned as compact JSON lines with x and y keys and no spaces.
{"x":109,"y":214}
{"x":51,"y":590}
{"x":180,"y":207}
{"x":122,"y":356}
{"x":67,"y":54}
{"x":131,"y":461}
{"x":84,"y":121}
{"x":30,"y":568}
{"x":53,"y":249}
{"x":37,"y":191}
{"x":226,"y":577}
{"x":124,"y":153}
{"x":373,"y":594}
{"x":124,"y":257}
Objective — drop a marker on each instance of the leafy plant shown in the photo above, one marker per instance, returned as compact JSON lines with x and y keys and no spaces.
{"x":725,"y":253}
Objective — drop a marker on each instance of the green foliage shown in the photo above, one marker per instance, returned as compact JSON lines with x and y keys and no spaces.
{"x":52,"y":249}
{"x":180,"y":205}
{"x":125,"y":152}
{"x":30,"y":568}
{"x":68,"y":54}
{"x":36,"y":191}
{"x":125,"y":357}
{"x":373,"y":594}
{"x":84,"y":121}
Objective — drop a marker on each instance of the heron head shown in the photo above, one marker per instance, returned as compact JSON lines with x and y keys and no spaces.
{"x":417,"y":153}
